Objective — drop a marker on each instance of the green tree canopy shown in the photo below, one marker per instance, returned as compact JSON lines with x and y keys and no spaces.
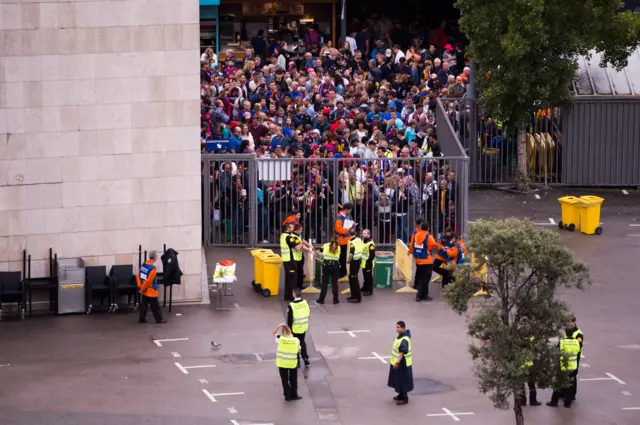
{"x":529,"y":48}
{"x":524,"y":267}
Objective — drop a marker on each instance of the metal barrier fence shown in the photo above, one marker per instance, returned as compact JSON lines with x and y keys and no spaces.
{"x":246,"y":200}
{"x":492,"y":146}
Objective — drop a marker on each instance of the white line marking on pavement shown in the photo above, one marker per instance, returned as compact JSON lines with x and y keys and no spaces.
{"x":234,"y":422}
{"x":351,"y":333}
{"x":631,"y":408}
{"x":634,"y":225}
{"x":175,"y":354}
{"x":159,"y":342}
{"x":452,"y":415}
{"x":626,"y":393}
{"x":634,"y":235}
{"x":552,"y":221}
{"x":186,"y":372}
{"x":375,"y":356}
{"x":615,"y":378}
{"x":545,"y":224}
{"x":4,"y":365}
{"x":178,"y":314}
{"x":537,"y":196}
{"x":258,"y":357}
{"x":203,"y":381}
{"x":633,"y":346}
{"x":212,"y":397}
{"x":625,"y":192}
{"x":584,"y":365}
{"x":232,"y":410}
{"x":236,"y":305}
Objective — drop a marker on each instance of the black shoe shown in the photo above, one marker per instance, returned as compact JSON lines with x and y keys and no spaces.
{"x":350,"y":298}
{"x":427,"y":298}
{"x":367,"y":294}
{"x":534,"y":402}
{"x":161,"y":321}
{"x":142,"y":321}
{"x":567,"y":405}
{"x":573,"y":399}
{"x":396,"y":398}
{"x":336,"y":301}
{"x":552,"y":404}
{"x":307,"y":362}
{"x":402,"y":401}
{"x":354,"y":301}
{"x":295,"y":397}
{"x":320,"y":301}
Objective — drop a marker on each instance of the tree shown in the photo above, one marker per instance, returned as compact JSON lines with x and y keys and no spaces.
{"x":528,"y":50}
{"x":515,"y":324}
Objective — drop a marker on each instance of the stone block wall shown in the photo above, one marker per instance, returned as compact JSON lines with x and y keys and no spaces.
{"x":99,"y":123}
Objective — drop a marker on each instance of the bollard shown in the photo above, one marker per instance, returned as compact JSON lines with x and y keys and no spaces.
{"x":311,"y":272}
{"x":404,"y":267}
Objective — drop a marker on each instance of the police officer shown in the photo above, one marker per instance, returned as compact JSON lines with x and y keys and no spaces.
{"x":148,"y":287}
{"x":298,"y":320}
{"x":354,"y":257}
{"x":531,"y":380}
{"x":367,"y":262}
{"x":330,"y":269}
{"x":287,"y":362}
{"x":287,"y":245}
{"x":401,"y":371}
{"x":422,"y":243}
{"x":569,"y":354}
{"x":572,"y":331}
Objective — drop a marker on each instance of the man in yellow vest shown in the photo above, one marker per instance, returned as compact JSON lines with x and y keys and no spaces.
{"x":298,"y":320}
{"x":287,"y":246}
{"x":574,"y":332}
{"x":354,"y":256}
{"x":367,"y":262}
{"x":531,"y":379}
{"x":287,"y":361}
{"x":569,"y":354}
{"x":401,"y":371}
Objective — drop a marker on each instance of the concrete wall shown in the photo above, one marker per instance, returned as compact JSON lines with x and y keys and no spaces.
{"x":99,"y":123}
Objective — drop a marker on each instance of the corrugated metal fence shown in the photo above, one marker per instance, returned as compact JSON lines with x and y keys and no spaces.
{"x":246,"y":199}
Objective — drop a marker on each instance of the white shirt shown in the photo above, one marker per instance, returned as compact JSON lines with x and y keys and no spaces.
{"x":353,"y":46}
{"x":399,"y":55}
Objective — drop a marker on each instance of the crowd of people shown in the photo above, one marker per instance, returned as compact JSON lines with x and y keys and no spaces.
{"x":356,"y":123}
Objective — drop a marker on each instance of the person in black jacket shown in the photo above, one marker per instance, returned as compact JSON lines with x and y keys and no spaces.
{"x":171,"y":267}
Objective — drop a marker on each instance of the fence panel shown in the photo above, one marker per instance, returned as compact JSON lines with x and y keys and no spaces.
{"x":388,"y":196}
{"x":492,"y":149}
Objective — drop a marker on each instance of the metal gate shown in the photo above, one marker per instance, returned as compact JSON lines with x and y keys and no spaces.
{"x":246,"y":200}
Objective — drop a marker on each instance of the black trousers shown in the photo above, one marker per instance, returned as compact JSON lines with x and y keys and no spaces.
{"x":367,"y":279}
{"x":333,"y":273}
{"x":354,"y":282}
{"x":289,"y":379}
{"x":423,"y":277}
{"x":447,"y":276}
{"x":300,"y":271}
{"x":303,"y":346}
{"x":569,"y":392}
{"x":343,"y":260}
{"x":290,"y":279}
{"x":533,"y":393}
{"x":155,"y":308}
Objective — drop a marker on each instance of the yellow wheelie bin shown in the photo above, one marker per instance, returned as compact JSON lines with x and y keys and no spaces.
{"x":272,"y":264}
{"x":570,"y":213}
{"x":590,"y":214}
{"x":257,"y":266}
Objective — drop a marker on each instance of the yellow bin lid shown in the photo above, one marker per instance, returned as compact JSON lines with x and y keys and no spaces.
{"x":256,"y":252}
{"x":568,"y":200}
{"x":591,"y":200}
{"x":272,"y":259}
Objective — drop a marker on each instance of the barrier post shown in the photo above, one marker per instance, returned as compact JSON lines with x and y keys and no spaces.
{"x":482,"y":275}
{"x":404,"y":267}
{"x":311,"y":273}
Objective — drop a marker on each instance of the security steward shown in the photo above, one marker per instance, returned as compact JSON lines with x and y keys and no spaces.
{"x":421,"y":246}
{"x":287,"y":361}
{"x":298,"y":320}
{"x":343,"y":235}
{"x":419,"y":222}
{"x":298,"y":257}
{"x":401,"y":370}
{"x":367,"y":262}
{"x":441,"y":256}
{"x":569,"y":355}
{"x":457,"y":255}
{"x":148,"y":287}
{"x":354,"y":257}
{"x":574,"y":332}
{"x":290,"y":267}
{"x":330,"y":270}
{"x":531,"y":380}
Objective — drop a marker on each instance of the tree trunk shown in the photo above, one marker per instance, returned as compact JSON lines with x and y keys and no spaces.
{"x":522,"y":174}
{"x":517,"y":409}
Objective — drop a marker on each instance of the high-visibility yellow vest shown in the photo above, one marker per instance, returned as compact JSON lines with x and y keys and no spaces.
{"x":301,"y":313}
{"x":574,"y":335}
{"x":571,"y":349}
{"x":287,"y":354}
{"x":328,"y":255}
{"x":365,"y":253}
{"x":528,"y":363}
{"x":297,"y":255}
{"x":357,"y":244}
{"x":395,"y":351}
{"x":285,"y":251}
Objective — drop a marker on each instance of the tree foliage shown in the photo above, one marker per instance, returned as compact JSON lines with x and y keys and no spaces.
{"x":525,"y":265}
{"x":529,"y":48}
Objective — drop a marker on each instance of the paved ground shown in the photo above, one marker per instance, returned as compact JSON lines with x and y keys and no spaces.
{"x":107,"y":370}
